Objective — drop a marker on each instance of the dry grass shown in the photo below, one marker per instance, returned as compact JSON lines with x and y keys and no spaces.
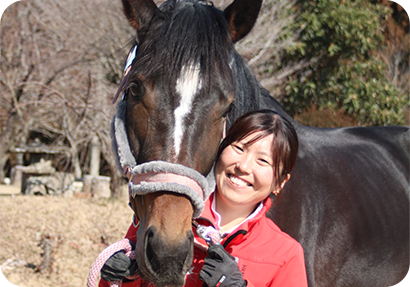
{"x":78,"y":229}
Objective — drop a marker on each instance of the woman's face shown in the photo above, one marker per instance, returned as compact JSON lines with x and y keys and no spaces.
{"x":245,"y":173}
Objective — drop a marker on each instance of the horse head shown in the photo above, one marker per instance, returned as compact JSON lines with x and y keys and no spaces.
{"x":177,"y":91}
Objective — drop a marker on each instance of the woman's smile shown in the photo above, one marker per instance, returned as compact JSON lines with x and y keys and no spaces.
{"x":237,"y":181}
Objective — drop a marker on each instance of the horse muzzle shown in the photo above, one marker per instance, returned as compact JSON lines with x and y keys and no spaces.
{"x":162,"y":262}
{"x":166,"y":197}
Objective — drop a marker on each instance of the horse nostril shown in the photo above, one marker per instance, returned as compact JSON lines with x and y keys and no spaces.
{"x":188,"y":246}
{"x":152,"y":256}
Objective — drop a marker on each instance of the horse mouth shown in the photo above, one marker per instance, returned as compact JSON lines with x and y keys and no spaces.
{"x":165,"y":265}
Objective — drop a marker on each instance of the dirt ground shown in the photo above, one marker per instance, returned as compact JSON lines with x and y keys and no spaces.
{"x":76,"y":230}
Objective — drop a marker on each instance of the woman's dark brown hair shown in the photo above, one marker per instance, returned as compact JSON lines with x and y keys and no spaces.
{"x":265,"y":123}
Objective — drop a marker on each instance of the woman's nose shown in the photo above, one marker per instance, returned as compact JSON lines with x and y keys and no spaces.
{"x":244,"y":164}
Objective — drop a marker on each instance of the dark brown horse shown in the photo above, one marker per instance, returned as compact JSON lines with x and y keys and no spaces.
{"x":347,"y":201}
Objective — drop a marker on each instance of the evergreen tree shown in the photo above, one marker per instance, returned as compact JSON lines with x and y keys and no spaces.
{"x":345,"y":37}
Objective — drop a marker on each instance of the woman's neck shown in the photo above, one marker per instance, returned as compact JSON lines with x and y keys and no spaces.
{"x":231,"y":215}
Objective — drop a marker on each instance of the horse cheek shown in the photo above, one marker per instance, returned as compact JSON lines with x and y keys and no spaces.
{"x":207,"y":152}
{"x":136,"y":134}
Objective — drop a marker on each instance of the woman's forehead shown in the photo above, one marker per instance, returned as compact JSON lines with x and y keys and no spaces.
{"x":257,"y":136}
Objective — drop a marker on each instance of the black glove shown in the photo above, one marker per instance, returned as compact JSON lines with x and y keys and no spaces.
{"x":118,"y":267}
{"x":220,"y":269}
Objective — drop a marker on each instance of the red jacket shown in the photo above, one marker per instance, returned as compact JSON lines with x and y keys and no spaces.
{"x":266,"y":255}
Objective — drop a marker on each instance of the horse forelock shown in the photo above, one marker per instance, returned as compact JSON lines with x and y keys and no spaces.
{"x":185,"y":33}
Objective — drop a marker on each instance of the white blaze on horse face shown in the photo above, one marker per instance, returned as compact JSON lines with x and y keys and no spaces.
{"x":188,"y":85}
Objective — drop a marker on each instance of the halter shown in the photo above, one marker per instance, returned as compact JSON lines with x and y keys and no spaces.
{"x":154,"y":176}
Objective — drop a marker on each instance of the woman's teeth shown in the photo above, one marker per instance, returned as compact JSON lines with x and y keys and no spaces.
{"x":238,"y":181}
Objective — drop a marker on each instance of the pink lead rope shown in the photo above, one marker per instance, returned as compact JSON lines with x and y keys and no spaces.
{"x":206,"y":232}
{"x":122,"y":245}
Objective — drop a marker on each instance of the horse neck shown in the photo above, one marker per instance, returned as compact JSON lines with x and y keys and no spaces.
{"x":250,"y":95}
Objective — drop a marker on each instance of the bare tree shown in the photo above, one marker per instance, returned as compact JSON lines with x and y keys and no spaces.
{"x":271,"y":35}
{"x":396,"y":55}
{"x":60,"y":65}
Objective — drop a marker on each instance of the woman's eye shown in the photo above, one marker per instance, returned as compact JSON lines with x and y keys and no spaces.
{"x":238,"y":148}
{"x":264,"y":161}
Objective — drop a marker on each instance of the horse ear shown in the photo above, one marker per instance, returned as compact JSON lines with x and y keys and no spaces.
{"x":139,"y":12}
{"x":241,"y":16}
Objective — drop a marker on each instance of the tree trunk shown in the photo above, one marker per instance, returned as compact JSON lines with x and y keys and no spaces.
{"x":3,"y":160}
{"x":76,"y":163}
{"x":95,"y":156}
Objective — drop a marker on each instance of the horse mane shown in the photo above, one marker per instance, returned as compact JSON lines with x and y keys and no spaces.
{"x":185,"y":33}
{"x":248,"y":91}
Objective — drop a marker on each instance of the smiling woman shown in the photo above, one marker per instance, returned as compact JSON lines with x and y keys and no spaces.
{"x":245,"y":173}
{"x":254,"y":161}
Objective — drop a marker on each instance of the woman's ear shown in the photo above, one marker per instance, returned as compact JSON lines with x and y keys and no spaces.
{"x":285,"y":180}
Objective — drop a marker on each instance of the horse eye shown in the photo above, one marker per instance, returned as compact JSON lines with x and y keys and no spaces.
{"x":136,"y":90}
{"x":228,"y":110}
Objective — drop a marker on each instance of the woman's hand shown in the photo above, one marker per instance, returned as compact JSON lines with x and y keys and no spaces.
{"x":220,"y":269}
{"x":118,"y":267}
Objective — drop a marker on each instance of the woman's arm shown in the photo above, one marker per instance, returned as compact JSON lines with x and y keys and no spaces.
{"x":293,"y":273}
